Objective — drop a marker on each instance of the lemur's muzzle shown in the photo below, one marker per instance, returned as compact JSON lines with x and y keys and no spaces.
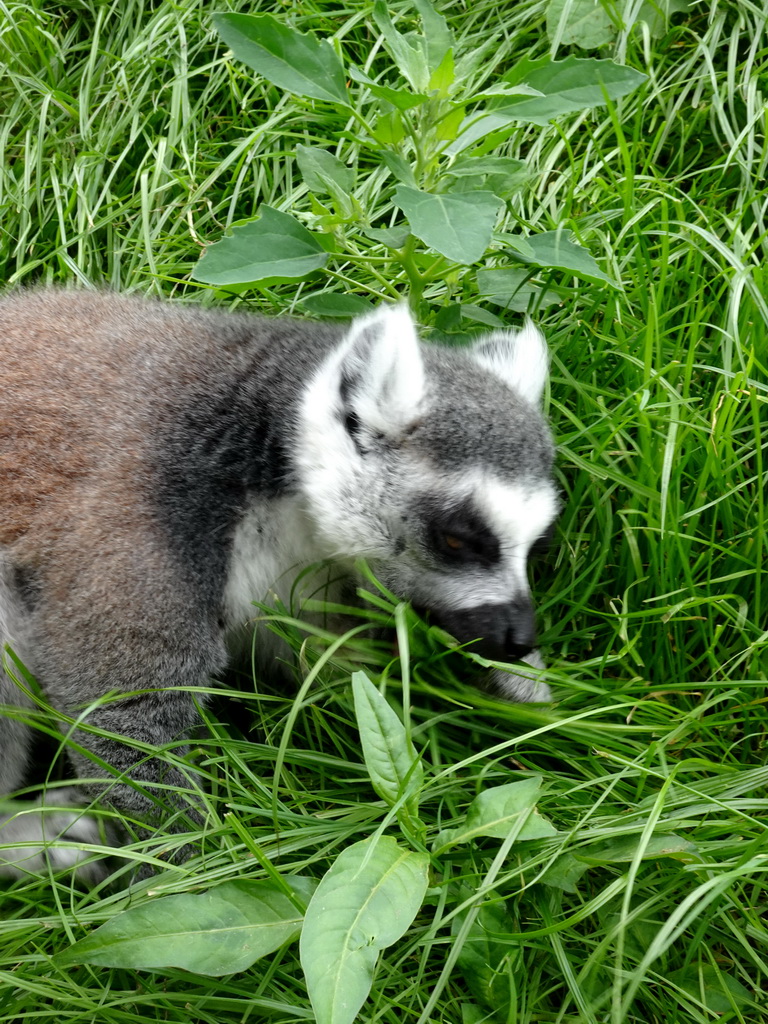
{"x":501,"y":632}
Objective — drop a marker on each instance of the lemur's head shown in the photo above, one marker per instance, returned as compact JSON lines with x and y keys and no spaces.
{"x":434,"y":464}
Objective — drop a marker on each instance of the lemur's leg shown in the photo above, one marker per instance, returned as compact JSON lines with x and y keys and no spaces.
{"x":121,"y":633}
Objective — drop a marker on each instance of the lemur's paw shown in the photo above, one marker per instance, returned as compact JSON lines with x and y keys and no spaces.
{"x":521,"y":689}
{"x":35,"y":841}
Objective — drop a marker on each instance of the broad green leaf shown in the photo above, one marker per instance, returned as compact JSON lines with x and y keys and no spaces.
{"x":291,"y":60}
{"x":469,"y":311}
{"x":365,"y":902}
{"x":713,"y":988}
{"x":393,"y":238}
{"x":561,"y":87}
{"x":565,"y":872}
{"x":217,"y":932}
{"x":416,"y":56}
{"x":437,"y":34}
{"x":322,"y":171}
{"x":584,"y":23}
{"x":517,"y":243}
{"x":448,"y":319}
{"x":336,"y":304}
{"x":471,"y":1013}
{"x":443,"y":77}
{"x":400,"y":98}
{"x":502,"y":185}
{"x":469,"y":183}
{"x":555,"y":249}
{"x":495,"y":812}
{"x":477,"y":126}
{"x":501,"y":89}
{"x":275,"y":246}
{"x":325,"y":174}
{"x":512,"y":288}
{"x":484,"y":957}
{"x":448,"y":127}
{"x":389,"y":129}
{"x":409,"y":52}
{"x":399,"y":167}
{"x":473,"y":165}
{"x":576,"y":83}
{"x":458,"y":226}
{"x":392,"y":762}
{"x":614,"y":851}
{"x":656,"y":14}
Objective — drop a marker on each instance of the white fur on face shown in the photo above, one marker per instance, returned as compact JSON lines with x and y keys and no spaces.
{"x":518,"y":514}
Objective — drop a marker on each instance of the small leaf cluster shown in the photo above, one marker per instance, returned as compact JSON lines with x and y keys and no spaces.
{"x":373,"y":891}
{"x":365,"y":902}
{"x":420,"y":116}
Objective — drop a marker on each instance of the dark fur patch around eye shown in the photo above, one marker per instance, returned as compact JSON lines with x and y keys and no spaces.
{"x":458,"y":535}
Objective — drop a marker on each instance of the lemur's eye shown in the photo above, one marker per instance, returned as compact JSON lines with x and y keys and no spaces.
{"x":458,"y":535}
{"x":465,"y":547}
{"x":452,"y":546}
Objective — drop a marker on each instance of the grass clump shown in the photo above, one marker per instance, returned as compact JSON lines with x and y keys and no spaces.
{"x":130,"y":140}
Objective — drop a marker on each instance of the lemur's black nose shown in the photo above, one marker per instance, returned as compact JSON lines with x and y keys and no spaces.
{"x":501,"y":632}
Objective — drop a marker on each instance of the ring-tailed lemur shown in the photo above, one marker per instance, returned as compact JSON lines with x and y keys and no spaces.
{"x":162,"y":466}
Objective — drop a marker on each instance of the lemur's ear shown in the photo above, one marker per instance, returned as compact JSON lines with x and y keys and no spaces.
{"x":518,"y":357}
{"x":381,"y":370}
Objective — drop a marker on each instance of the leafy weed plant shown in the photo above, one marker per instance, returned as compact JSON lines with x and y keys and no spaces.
{"x":602,"y":860}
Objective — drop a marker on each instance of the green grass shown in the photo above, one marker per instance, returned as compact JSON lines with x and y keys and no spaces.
{"x":127,"y":142}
